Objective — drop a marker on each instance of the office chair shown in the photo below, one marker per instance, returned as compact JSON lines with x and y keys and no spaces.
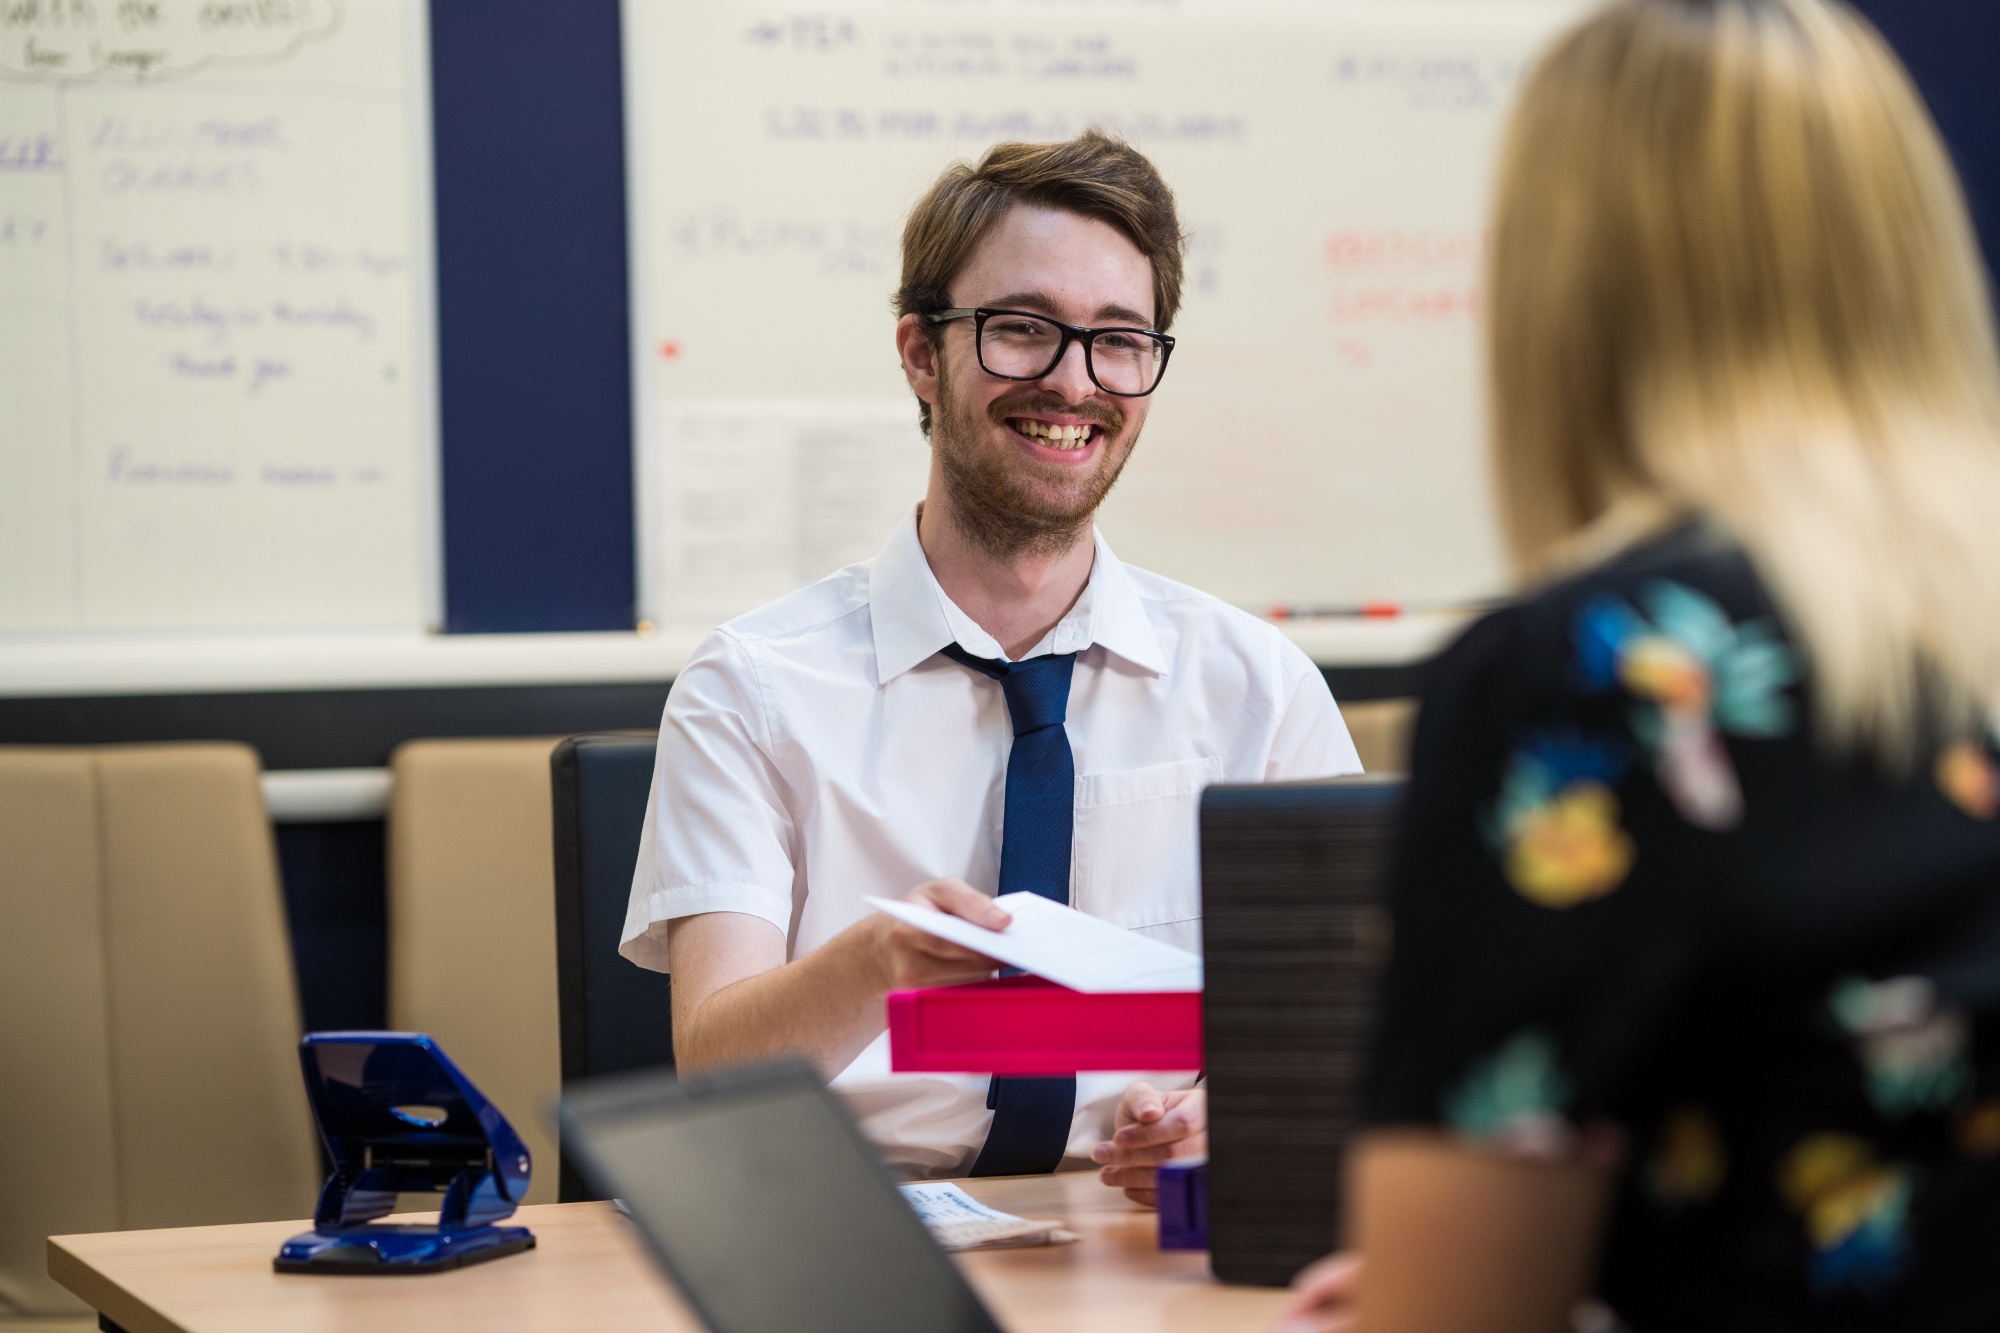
{"x":614,"y":1016}
{"x":472,"y":946}
{"x":149,"y":1021}
{"x":1295,"y":935}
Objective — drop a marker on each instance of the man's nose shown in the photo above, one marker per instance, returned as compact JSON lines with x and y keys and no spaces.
{"x":1069,"y":379}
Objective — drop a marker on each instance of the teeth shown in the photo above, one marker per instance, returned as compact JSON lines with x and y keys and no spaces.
{"x":1058,"y":437}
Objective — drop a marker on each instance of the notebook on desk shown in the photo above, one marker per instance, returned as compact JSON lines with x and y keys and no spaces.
{"x":757,"y":1193}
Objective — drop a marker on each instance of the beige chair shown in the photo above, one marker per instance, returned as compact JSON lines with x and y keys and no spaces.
{"x":1381,"y":730}
{"x":149,"y":1022}
{"x":472,"y":922}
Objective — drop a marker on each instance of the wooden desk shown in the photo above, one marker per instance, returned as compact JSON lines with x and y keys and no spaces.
{"x":590,"y":1271}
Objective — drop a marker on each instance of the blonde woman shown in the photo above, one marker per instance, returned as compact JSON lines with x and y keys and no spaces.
{"x":1695,"y":1004}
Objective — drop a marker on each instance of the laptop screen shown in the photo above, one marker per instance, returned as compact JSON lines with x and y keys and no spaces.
{"x":761,"y":1198}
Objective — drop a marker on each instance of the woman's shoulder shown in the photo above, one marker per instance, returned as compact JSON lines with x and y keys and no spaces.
{"x":1694,"y":555}
{"x":1658,"y":659}
{"x":1689,"y":589}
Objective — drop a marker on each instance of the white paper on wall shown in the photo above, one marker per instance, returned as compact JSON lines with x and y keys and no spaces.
{"x":757,"y":499}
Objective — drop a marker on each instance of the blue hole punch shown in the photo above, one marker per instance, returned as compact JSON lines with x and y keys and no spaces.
{"x":397,"y":1117}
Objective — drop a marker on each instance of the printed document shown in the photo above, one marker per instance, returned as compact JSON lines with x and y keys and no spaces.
{"x":957,"y":1221}
{"x":1062,"y":945}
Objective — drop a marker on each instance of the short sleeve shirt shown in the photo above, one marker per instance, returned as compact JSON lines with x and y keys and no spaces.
{"x":821,"y":750}
{"x":1634,"y":892}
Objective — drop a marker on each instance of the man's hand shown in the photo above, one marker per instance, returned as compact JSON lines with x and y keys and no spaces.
{"x":1153,"y":1127}
{"x":1322,"y":1296}
{"x":908,"y":957}
{"x":736,"y":999}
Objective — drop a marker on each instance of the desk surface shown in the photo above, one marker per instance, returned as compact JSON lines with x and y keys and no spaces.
{"x":589,"y":1270}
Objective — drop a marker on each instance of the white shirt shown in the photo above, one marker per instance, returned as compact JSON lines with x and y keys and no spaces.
{"x":820,"y":749}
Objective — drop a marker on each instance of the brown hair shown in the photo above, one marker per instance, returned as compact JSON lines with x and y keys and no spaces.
{"x":1732,"y":274}
{"x":1093,"y":175}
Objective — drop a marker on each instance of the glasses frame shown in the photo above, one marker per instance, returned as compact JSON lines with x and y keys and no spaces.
{"x":1070,"y":333}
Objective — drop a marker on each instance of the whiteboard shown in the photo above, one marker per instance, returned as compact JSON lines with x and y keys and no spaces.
{"x":216,"y":348}
{"x":1318,"y":439}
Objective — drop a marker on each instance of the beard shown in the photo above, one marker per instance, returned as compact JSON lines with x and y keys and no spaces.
{"x":993,"y":492}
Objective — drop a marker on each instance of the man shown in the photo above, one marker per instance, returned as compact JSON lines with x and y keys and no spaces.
{"x":994,"y":703}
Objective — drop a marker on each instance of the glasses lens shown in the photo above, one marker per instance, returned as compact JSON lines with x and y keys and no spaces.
{"x":1018,"y":346}
{"x":1127,"y":361}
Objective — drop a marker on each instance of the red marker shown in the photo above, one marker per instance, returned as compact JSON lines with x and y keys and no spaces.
{"x":1381,"y":610}
{"x":1366,"y":611}
{"x":670,"y":349}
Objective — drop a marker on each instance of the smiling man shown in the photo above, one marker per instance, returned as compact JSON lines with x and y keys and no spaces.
{"x":993,"y":704}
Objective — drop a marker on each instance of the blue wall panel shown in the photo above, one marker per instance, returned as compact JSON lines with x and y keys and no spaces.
{"x":1950,"y":47}
{"x":533,"y":327}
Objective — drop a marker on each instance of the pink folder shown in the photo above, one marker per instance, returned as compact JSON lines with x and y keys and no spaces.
{"x":1025,"y":1025}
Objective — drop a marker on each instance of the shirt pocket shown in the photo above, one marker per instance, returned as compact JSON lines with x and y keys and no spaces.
{"x":1136,"y":856}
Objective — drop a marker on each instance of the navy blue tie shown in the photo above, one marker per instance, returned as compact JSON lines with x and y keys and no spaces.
{"x":1031,"y":1116}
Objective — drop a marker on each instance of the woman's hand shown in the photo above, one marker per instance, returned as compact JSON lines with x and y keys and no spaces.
{"x":1323,"y":1296}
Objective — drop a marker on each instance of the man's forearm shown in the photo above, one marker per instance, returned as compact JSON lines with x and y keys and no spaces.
{"x":736,"y":999}
{"x":826,"y":1006}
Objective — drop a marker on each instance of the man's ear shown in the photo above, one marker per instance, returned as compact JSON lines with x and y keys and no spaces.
{"x":916,"y":344}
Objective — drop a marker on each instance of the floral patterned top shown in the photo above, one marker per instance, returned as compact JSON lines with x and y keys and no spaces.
{"x":1634,"y":900}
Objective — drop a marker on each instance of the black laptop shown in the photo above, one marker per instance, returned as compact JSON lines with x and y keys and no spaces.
{"x":1295,"y":935}
{"x":762,"y":1200}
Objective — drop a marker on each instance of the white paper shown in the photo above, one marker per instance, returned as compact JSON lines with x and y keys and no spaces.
{"x":1062,"y":945}
{"x":957,"y":1221}
{"x":749,"y":501}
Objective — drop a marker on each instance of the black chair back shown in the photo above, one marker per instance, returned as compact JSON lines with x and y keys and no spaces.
{"x":1295,"y":935}
{"x":614,"y":1016}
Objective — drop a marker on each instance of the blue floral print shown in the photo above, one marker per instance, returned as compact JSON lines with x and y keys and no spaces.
{"x":1693,"y":675}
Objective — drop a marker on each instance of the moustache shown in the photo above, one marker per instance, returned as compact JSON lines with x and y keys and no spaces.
{"x":1038,"y":403}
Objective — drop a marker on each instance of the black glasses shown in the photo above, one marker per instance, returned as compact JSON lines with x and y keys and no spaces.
{"x":1019,"y":345}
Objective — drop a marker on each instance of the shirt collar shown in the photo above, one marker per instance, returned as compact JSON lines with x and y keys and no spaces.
{"x":913,"y":618}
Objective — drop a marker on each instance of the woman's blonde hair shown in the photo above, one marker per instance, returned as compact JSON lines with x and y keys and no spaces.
{"x":1732,"y":276}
